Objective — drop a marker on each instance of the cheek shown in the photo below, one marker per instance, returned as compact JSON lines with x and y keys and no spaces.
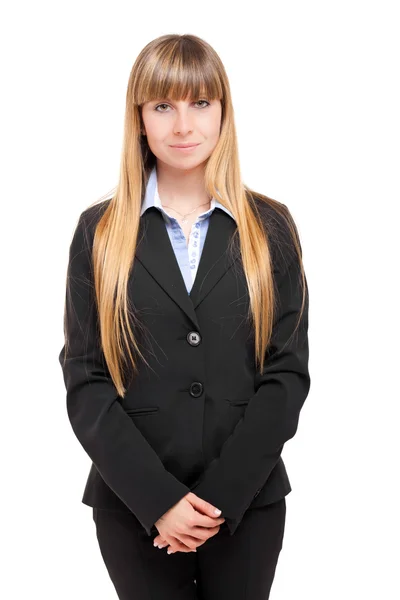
{"x":155,"y":133}
{"x":212,"y":128}
{"x":212,"y":135}
{"x":155,"y":129}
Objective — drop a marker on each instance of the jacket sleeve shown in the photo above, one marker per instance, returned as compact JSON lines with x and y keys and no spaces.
{"x":271,"y":417}
{"x":122,"y":455}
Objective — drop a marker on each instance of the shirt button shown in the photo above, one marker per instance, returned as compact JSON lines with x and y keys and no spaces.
{"x":194,"y":338}
{"x":196,"y":389}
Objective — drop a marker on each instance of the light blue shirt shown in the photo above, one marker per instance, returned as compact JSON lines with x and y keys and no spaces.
{"x":187,"y":256}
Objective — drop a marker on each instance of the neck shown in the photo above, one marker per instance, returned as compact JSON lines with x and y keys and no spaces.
{"x":181,"y":189}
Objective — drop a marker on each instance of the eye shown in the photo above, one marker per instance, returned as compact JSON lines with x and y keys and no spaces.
{"x":164,"y":104}
{"x":208,"y":104}
{"x":158,"y":105}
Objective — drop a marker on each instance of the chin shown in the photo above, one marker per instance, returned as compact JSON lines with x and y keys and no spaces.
{"x":185,"y":164}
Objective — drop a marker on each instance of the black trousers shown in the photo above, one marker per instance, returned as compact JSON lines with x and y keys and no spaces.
{"x":225,"y":567}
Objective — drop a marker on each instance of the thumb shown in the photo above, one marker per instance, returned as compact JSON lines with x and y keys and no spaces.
{"x":203,"y":506}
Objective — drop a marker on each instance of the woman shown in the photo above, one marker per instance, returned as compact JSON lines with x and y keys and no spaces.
{"x":186,"y":353}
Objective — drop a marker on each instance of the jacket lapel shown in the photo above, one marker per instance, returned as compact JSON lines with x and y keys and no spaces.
{"x":155,"y":252}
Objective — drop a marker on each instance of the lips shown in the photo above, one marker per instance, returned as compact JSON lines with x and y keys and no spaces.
{"x":183,"y":145}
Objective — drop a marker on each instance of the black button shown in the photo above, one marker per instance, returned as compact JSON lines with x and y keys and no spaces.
{"x":194,"y":338}
{"x":196,"y":389}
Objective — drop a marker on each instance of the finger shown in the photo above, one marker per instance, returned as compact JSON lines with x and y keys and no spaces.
{"x":159,"y":540}
{"x":201,"y":534}
{"x":181,"y":548}
{"x":202,"y":505}
{"x":178,"y":546}
{"x":175,"y":545}
{"x":205,"y":521}
{"x":189,"y":543}
{"x":193,"y":542}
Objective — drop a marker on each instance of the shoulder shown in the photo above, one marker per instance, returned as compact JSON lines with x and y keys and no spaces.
{"x":280,"y":228}
{"x":88,"y":220}
{"x":83,"y":235}
{"x":92,"y":215}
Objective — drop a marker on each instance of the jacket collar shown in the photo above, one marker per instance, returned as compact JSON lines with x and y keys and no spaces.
{"x":155,"y":252}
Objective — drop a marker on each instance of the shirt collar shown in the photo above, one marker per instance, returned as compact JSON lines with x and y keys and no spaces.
{"x":153,"y":199}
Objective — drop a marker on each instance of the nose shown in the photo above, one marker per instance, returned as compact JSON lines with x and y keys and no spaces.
{"x":183,"y":122}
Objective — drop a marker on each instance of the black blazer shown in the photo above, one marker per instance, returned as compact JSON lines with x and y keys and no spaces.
{"x":201,"y":418}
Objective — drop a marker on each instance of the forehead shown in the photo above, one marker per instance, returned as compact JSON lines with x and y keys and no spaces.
{"x":174,"y":98}
{"x":167,"y":99}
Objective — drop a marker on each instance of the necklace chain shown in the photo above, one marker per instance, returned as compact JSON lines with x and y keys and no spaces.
{"x":184,"y":220}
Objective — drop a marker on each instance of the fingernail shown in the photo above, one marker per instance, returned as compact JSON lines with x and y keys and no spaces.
{"x":169,"y":551}
{"x":217,"y":511}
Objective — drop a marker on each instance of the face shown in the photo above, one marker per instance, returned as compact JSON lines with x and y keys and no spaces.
{"x":168,"y":122}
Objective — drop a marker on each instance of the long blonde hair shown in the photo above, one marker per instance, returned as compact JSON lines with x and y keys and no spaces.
{"x":178,"y":66}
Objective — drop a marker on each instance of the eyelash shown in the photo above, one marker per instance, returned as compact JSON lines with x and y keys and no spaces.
{"x":165,"y":104}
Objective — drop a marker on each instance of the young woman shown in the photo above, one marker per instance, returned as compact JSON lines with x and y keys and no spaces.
{"x":186,"y":353}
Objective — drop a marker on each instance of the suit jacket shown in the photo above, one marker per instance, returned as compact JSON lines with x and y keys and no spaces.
{"x":200,"y":417}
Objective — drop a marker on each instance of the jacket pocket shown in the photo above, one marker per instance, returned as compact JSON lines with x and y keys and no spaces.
{"x":238,"y":402}
{"x":142,"y":410}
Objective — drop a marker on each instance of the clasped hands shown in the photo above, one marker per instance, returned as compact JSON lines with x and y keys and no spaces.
{"x":187,"y":525}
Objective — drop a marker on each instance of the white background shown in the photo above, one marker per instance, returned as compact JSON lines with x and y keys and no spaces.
{"x":316,"y":99}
